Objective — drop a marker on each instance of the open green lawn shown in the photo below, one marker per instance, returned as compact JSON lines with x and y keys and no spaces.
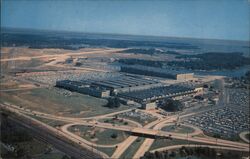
{"x":55,"y":154}
{"x":139,"y":117}
{"x":107,"y":150}
{"x":158,"y":143}
{"x":248,"y":136}
{"x":203,"y":153}
{"x":53,"y":101}
{"x":50,"y":156}
{"x":53,"y":123}
{"x":99,"y":135}
{"x":34,"y":147}
{"x":116,"y":121}
{"x":18,"y":137}
{"x":178,"y":129}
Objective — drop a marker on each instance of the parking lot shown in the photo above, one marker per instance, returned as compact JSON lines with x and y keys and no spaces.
{"x":228,"y":120}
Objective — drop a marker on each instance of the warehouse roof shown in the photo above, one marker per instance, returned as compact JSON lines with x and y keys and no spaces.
{"x":124,"y":81}
{"x":158,"y":92}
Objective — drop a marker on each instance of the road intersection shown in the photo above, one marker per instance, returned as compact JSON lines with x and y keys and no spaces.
{"x":152,"y":129}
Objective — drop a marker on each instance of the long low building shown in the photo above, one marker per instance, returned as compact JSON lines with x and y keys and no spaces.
{"x":157,"y":72}
{"x":127,"y":84}
{"x":153,"y":94}
{"x":113,"y":86}
{"x":82,"y":87}
{"x":129,"y":87}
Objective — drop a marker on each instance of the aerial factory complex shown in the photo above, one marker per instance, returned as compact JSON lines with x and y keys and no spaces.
{"x":131,"y":88}
{"x":116,"y":98}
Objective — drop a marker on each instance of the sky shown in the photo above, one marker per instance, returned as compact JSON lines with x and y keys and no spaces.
{"x":215,"y":19}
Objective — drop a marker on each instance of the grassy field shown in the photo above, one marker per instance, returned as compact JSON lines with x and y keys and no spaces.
{"x":108,"y":150}
{"x":158,"y":143}
{"x":208,"y":154}
{"x":35,"y":149}
{"x":99,"y":135}
{"x":55,"y":102}
{"x":116,"y":121}
{"x":179,"y":129}
{"x":129,"y":153}
{"x":53,"y":123}
{"x":50,"y":156}
{"x":137,"y":117}
{"x":248,"y":136}
{"x":25,"y":144}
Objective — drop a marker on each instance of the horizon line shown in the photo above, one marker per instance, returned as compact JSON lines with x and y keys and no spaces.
{"x":122,"y":34}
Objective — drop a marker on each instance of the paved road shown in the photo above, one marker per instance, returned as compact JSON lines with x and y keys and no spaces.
{"x":83,"y":150}
{"x":65,"y":129}
{"x":62,"y":118}
{"x":217,"y":147}
{"x":139,"y":130}
{"x":148,"y":131}
{"x":243,"y":136}
{"x":157,"y":126}
{"x":123,"y":146}
{"x":145,"y":146}
{"x":56,"y":141}
{"x":197,"y":130}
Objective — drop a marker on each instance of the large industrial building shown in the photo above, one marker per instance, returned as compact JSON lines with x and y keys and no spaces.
{"x":126,"y":84}
{"x":157,"y":72}
{"x":128,"y":87}
{"x":113,"y":86}
{"x":148,"y":97}
{"x":83,"y":87}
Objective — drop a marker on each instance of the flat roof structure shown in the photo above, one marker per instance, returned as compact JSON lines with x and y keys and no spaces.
{"x":124,"y":81}
{"x":157,"y":72}
{"x":157,"y":93}
{"x":81,"y":87}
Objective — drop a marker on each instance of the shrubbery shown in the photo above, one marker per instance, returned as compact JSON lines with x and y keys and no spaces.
{"x":205,"y":61}
{"x":113,"y":103}
{"x":196,"y":151}
{"x":172,"y":105}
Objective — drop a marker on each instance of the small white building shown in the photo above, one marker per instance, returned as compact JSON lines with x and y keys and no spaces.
{"x":148,"y":106}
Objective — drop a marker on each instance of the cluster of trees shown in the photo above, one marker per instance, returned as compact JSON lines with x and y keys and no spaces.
{"x":248,"y":136}
{"x":159,"y":155}
{"x":172,"y":105}
{"x":247,"y":77}
{"x":73,"y":41}
{"x":113,"y":102}
{"x":196,"y":151}
{"x":242,"y":82}
{"x":11,"y":134}
{"x":206,"y":61}
{"x":211,"y":61}
{"x":114,"y":135}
